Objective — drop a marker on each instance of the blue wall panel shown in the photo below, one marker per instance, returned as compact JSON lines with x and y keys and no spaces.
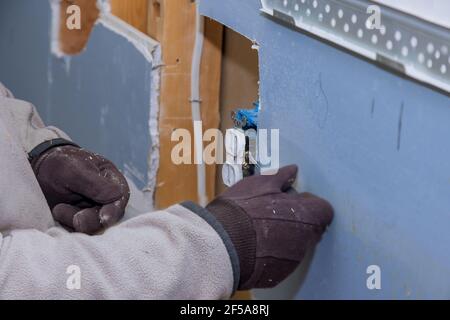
{"x":374,"y":144}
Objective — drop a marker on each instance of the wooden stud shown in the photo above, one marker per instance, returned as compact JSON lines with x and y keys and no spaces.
{"x":175,"y":29}
{"x":134,"y":12}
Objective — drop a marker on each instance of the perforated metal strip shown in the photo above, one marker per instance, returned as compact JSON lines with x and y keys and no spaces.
{"x":412,"y":46}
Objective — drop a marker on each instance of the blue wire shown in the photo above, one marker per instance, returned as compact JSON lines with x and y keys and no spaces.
{"x":248,"y":118}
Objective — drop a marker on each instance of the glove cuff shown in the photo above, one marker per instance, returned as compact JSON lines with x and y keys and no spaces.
{"x":47,"y":145}
{"x":239,"y":227}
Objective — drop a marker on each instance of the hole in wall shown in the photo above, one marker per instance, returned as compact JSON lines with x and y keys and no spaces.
{"x":239,"y":83}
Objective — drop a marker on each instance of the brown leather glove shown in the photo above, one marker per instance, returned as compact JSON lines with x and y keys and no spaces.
{"x":270,"y":227}
{"x":85,"y":191}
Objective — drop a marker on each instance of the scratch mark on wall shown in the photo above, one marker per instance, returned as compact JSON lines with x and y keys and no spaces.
{"x":372,"y":110}
{"x":400,"y":127}
{"x":103,"y":113}
{"x":325,"y":116}
{"x":48,"y":106}
{"x":67,"y":62}
{"x":318,"y":106}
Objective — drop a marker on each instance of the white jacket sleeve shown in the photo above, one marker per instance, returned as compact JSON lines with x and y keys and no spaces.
{"x":172,"y":254}
{"x":179,"y":253}
{"x":26,"y":122}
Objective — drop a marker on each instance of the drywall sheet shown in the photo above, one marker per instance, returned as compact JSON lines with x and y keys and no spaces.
{"x":24,"y":50}
{"x":374,"y":144}
{"x":101,"y":98}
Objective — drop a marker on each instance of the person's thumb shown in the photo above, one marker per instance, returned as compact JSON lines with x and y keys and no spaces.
{"x":285,"y":177}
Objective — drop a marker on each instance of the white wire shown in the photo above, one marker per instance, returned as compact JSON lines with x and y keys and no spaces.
{"x":195,"y":104}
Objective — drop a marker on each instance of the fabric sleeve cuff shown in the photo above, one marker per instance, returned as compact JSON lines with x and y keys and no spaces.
{"x":217,"y":226}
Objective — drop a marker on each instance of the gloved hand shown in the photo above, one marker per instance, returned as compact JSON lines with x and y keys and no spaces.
{"x":85,"y":191}
{"x":270,"y":227}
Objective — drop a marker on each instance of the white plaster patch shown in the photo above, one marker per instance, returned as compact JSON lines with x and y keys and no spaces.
{"x":153,"y":164}
{"x":143,"y":43}
{"x":54,"y":30}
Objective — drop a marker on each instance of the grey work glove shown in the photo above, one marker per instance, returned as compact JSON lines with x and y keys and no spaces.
{"x":85,"y":191}
{"x":270,"y":227}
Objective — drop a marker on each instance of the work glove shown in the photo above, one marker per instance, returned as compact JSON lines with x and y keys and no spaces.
{"x":270,"y":225}
{"x":85,"y":191}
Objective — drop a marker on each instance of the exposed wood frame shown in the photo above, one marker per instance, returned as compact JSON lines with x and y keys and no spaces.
{"x":173,"y":25}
